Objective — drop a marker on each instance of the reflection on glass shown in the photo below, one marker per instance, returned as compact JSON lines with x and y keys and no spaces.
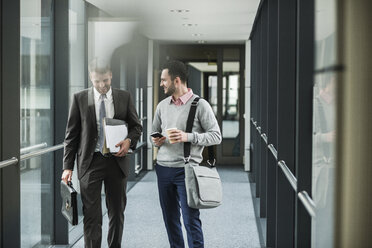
{"x":212,"y":88}
{"x":77,"y":46}
{"x":36,"y":121}
{"x":325,"y":32}
{"x":323,"y":159}
{"x":139,"y":108}
{"x":230,"y":109}
{"x":77,"y":74}
{"x":36,"y":201}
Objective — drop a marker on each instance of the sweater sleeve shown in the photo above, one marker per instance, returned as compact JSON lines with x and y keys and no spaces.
{"x":156,"y":124}
{"x":212,"y":133}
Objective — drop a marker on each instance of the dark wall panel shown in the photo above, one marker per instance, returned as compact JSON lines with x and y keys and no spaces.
{"x":272,"y":121}
{"x":10,"y":126}
{"x":286,"y":121}
{"x":263,"y":103}
{"x":281,"y":102}
{"x":258,"y":100}
{"x":194,"y":80}
{"x":304,"y":103}
{"x":61,"y":107}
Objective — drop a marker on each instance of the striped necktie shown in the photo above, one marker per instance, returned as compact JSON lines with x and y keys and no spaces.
{"x":102,"y":114}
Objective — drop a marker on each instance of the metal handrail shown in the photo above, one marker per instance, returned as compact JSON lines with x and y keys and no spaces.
{"x":140,"y":145}
{"x":138,"y":169}
{"x":288,"y":174}
{"x":258,"y":129}
{"x":264,"y":137}
{"x":8,"y":162}
{"x":254,"y":122}
{"x":273,"y":151}
{"x":307,"y":202}
{"x":30,"y":148}
{"x":41,"y":152}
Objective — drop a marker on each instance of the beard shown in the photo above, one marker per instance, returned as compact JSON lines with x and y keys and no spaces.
{"x":171,"y":89}
{"x":104,"y":89}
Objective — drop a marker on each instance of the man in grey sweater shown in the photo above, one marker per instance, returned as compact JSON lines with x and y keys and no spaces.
{"x":172,"y":112}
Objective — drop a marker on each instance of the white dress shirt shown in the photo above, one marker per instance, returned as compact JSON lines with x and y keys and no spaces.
{"x":109,"y":106}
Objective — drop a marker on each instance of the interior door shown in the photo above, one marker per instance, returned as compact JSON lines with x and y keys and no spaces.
{"x":222,"y":89}
{"x":230,"y":106}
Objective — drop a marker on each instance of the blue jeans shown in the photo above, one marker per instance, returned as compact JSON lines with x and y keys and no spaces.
{"x":172,"y":194}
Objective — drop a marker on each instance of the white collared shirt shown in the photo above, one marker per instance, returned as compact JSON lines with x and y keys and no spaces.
{"x":109,"y":106}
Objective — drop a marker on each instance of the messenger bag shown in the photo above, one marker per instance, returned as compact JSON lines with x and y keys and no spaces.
{"x":203,"y":183}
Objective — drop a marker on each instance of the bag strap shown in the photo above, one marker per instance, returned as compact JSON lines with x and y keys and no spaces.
{"x":211,"y":158}
{"x":189,"y":124}
{"x":187,"y":145}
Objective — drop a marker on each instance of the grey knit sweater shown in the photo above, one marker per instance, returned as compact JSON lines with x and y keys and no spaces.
{"x":205,"y":131}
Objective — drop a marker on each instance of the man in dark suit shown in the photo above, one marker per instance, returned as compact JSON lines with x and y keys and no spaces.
{"x":84,"y":139}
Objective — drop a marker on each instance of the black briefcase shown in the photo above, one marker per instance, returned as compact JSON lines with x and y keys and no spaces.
{"x":69,"y":203}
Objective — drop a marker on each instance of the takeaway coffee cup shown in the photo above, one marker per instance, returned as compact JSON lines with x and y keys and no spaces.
{"x":169,"y":131}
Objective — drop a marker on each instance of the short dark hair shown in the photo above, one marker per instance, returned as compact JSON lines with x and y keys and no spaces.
{"x":99,"y":65}
{"x":176,"y":69}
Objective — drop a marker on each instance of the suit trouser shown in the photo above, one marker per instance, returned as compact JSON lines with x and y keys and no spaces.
{"x":172,"y":195}
{"x":103,"y":170}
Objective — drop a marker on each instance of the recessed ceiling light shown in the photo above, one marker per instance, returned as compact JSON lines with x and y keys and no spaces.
{"x":189,"y":25}
{"x":196,"y":35}
{"x":201,"y":41}
{"x":180,"y":10}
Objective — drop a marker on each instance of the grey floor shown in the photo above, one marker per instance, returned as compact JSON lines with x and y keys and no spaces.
{"x":231,"y":225}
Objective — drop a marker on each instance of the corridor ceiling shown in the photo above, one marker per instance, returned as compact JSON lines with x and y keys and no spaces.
{"x":187,"y":21}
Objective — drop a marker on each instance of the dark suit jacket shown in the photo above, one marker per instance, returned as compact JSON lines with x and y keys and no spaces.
{"x":81,"y":131}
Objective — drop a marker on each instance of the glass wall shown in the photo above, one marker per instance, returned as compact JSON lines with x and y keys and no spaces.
{"x":77,"y":81}
{"x":36,"y":100}
{"x":281,"y":100}
{"x":230,"y":109}
{"x":324,"y":123}
{"x":325,"y":33}
{"x":77,"y":31}
{"x":323,"y":158}
{"x":212,"y":87}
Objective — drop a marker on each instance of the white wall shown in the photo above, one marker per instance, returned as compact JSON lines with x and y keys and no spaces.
{"x":247,"y":114}
{"x":104,"y":36}
{"x":150,"y":73}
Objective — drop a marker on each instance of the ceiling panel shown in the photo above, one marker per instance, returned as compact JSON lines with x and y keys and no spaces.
{"x":209,"y":20}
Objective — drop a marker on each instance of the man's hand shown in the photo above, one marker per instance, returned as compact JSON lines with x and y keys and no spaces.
{"x":159,"y":141}
{"x":178,"y":136}
{"x":124,"y":147}
{"x":66,"y":176}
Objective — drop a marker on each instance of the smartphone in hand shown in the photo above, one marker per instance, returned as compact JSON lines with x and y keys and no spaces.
{"x":156,"y":135}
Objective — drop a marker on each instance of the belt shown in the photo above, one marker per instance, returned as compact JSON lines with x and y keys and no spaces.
{"x":107,"y":155}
